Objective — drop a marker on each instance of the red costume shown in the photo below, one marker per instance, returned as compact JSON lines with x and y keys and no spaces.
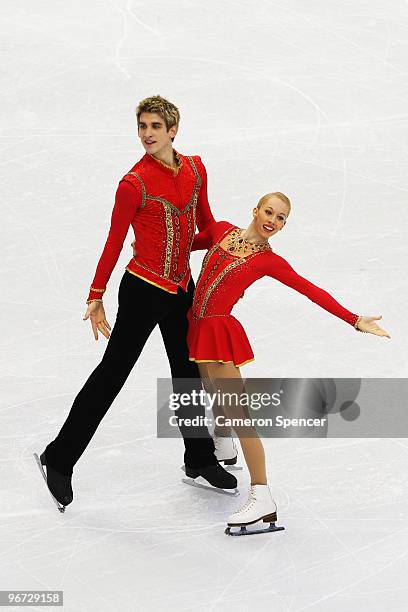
{"x":214,"y":334}
{"x":163,"y":206}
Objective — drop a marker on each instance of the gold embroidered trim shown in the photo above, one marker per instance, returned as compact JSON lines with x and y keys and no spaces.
{"x":173,"y":228}
{"x":201,"y":289}
{"x":144,"y":196}
{"x":169,"y":242}
{"x":237,"y":365}
{"x":196,"y":172}
{"x":89,"y":301}
{"x":219,"y":278}
{"x":141,"y":265}
{"x":222,"y":253}
{"x":150,"y":282}
{"x":191,"y":226}
{"x":194,"y":195}
{"x":198,"y":292}
{"x":235,"y":242}
{"x":193,"y":198}
{"x":176,"y":156}
{"x":172,"y":221}
{"x":165,"y":202}
{"x":212,"y":316}
{"x":176,"y":277}
{"x":98,"y":290}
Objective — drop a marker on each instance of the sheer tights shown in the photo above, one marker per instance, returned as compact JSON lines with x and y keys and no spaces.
{"x":226,"y":379}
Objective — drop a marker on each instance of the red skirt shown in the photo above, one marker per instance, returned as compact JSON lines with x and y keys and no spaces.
{"x":218,"y":338}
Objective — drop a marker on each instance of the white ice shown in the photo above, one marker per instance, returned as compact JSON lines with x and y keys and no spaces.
{"x":309,"y":98}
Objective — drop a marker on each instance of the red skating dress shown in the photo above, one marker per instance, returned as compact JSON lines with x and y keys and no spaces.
{"x":214,"y":334}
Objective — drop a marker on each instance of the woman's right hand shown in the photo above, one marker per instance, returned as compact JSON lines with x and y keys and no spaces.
{"x":96,"y":313}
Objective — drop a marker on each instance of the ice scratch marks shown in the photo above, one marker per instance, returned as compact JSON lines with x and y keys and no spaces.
{"x":352,"y":584}
{"x":127,"y":12}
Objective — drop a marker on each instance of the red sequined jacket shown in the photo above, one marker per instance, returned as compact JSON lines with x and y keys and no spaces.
{"x":163,"y":205}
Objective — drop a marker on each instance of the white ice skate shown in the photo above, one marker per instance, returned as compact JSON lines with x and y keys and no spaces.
{"x":226,"y":452}
{"x":260,"y":506}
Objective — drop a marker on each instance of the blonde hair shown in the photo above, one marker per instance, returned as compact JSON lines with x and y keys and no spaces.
{"x":165,"y":109}
{"x":276,"y":194}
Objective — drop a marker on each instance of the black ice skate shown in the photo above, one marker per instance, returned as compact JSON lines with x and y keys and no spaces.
{"x":58,"y":484}
{"x":217,"y":479}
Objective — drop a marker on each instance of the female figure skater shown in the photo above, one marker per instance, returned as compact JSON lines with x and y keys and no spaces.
{"x":217,"y":342}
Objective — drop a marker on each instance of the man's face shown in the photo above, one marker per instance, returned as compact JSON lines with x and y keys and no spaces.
{"x":153,"y":133}
{"x":270,"y":217}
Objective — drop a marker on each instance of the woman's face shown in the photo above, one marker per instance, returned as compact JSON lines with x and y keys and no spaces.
{"x":270,"y":217}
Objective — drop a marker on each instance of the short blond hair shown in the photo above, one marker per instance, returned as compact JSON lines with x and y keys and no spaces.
{"x":276,"y":194}
{"x":165,"y":109}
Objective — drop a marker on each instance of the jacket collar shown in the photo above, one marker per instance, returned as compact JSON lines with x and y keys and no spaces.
{"x":165,"y":166}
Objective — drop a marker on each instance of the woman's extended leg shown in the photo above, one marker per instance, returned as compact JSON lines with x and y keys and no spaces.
{"x":226,"y":378}
{"x":260,"y":505}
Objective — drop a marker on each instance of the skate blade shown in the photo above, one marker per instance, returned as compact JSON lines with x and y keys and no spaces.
{"x":60,"y":507}
{"x":243,"y":530}
{"x":207,"y":487}
{"x":227,"y":468}
{"x":232,"y":468}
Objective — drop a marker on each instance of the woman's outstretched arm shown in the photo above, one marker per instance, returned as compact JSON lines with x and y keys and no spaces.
{"x":277,"y":267}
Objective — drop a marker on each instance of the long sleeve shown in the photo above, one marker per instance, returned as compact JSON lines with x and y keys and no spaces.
{"x":127,"y":202}
{"x":204,"y":214}
{"x":278,"y":268}
{"x":209,"y":236}
{"x":202,"y":240}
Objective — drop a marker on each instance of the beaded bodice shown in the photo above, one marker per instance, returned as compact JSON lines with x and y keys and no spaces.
{"x":224,"y":276}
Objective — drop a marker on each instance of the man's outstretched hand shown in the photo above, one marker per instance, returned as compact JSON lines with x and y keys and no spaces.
{"x":96,"y":313}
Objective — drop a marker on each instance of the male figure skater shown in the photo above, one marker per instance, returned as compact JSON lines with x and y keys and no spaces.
{"x":163,"y":197}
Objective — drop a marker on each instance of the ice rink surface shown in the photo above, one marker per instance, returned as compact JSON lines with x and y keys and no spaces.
{"x":308,"y":98}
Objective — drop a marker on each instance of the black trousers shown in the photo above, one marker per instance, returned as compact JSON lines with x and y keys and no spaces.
{"x":142,"y":306}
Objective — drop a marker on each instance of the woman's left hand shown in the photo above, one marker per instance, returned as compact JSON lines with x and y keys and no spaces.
{"x":368,"y":325}
{"x":134,"y":248}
